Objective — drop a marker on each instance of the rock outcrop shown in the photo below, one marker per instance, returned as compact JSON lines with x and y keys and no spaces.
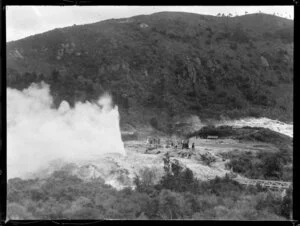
{"x":264,"y":61}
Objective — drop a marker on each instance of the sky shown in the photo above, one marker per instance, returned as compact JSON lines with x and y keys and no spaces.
{"x":24,"y":21}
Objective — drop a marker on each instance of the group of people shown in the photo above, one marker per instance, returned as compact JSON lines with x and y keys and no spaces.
{"x":153,"y":140}
{"x":184,"y":144}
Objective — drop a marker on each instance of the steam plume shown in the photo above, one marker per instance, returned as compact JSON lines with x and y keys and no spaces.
{"x":38,"y":134}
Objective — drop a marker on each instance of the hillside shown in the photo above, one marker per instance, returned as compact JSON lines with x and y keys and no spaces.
{"x":165,"y":65}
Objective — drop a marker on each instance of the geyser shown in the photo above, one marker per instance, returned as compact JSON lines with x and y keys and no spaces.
{"x":38,"y":134}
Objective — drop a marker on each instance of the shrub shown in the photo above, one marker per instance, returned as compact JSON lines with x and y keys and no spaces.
{"x":272,"y":166}
{"x":208,"y":160}
{"x":222,"y":35}
{"x":285,"y":34}
{"x":146,"y":180}
{"x":239,"y":35}
{"x":209,"y":29}
{"x":177,"y":178}
{"x":233,"y":46}
{"x":154,"y":123}
{"x":254,"y":113}
{"x":16,"y":211}
{"x":170,"y":205}
{"x":286,"y":206}
{"x":264,"y":165}
{"x":207,"y":42}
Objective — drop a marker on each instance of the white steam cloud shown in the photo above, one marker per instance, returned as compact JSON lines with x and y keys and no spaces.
{"x":38,"y":134}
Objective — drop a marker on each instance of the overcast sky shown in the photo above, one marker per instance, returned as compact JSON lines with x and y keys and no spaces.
{"x":23,"y":21}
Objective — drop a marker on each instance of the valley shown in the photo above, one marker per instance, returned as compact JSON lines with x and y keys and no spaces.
{"x":165,"y":116}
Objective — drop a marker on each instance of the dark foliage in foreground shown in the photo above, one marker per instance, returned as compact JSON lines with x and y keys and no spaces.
{"x":63,"y":196}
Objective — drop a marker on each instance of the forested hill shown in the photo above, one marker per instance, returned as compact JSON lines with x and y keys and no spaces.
{"x":166,"y":64}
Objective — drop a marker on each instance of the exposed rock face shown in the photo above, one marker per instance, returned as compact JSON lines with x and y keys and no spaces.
{"x":143,"y":25}
{"x":191,"y":70}
{"x":198,"y":61}
{"x":286,"y":58}
{"x":146,"y":73}
{"x":16,"y":54}
{"x":264,"y":61}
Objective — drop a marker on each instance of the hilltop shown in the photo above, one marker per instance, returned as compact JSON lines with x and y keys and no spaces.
{"x":166,"y":65}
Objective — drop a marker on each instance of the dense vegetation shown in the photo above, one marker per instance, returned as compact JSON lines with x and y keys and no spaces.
{"x":64,"y":196}
{"x":264,"y":165}
{"x":204,"y":65}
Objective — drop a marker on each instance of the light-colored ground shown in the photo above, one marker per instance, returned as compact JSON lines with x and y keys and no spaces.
{"x":120,"y":171}
{"x":136,"y":152}
{"x":136,"y":155}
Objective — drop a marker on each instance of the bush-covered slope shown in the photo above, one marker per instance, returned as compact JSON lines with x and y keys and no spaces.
{"x":165,"y":64}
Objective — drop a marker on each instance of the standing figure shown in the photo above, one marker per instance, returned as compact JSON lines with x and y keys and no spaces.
{"x":186,"y":144}
{"x":193,"y":146}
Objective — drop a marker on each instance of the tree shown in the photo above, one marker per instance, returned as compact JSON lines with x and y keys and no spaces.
{"x":54,"y":76}
{"x":287,"y":204}
{"x":145,"y":181}
{"x":170,"y":204}
{"x":177,"y":178}
{"x":208,"y":160}
{"x":16,"y":211}
{"x":272,"y":167}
